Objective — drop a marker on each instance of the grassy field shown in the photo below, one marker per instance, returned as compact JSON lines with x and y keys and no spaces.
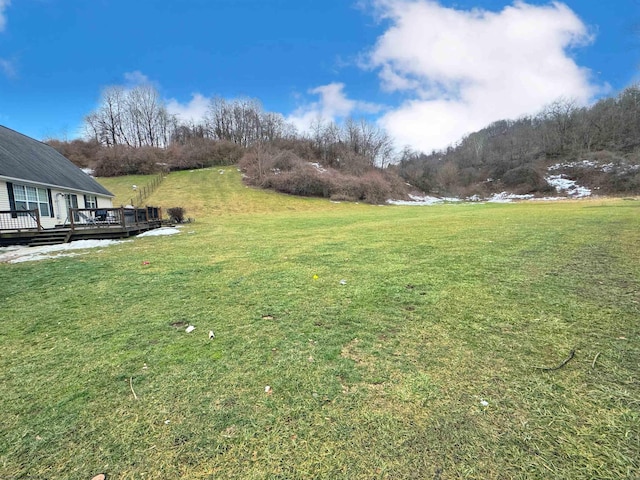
{"x":122,"y":187}
{"x":398,"y":342}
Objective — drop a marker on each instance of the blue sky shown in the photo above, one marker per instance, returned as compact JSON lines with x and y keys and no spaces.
{"x":427,"y":71}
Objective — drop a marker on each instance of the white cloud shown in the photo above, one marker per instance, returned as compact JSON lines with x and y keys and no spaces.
{"x":3,"y":17}
{"x":135,"y":78}
{"x":191,"y":112}
{"x":332,"y":106}
{"x":8,"y":68}
{"x":463,"y":69}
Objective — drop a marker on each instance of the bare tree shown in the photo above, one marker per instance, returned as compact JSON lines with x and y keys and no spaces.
{"x":369,"y":141}
{"x":559,"y":120}
{"x":243,"y":121}
{"x":135,"y":118}
{"x":106,"y":123}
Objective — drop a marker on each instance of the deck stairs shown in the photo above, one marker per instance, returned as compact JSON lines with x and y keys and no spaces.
{"x":50,"y":237}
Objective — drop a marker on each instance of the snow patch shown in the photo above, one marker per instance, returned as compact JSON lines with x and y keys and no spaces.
{"x":610,"y":167}
{"x":28,"y":254}
{"x":417,"y":200}
{"x":158,"y":232}
{"x":18,"y":253}
{"x":580,"y":164}
{"x":563,"y":184}
{"x":88,"y":171}
{"x":505,"y":197}
{"x":318,"y":167}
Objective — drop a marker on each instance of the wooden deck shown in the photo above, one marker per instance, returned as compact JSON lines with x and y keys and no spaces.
{"x":25,"y":228}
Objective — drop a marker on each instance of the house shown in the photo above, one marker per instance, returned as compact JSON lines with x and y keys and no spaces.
{"x":45,"y":199}
{"x":35,"y":178}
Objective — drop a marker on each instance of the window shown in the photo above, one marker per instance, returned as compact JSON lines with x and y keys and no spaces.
{"x":29,"y":198}
{"x":90,"y":201}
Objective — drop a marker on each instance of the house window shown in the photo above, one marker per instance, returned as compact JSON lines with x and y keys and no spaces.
{"x":29,"y":198}
{"x":90,"y":201}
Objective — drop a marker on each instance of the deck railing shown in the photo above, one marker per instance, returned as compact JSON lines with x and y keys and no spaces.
{"x":20,"y":220}
{"x":112,"y":217}
{"x":82,"y":218}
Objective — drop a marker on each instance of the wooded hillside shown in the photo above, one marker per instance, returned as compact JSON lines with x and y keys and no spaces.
{"x":598,"y":146}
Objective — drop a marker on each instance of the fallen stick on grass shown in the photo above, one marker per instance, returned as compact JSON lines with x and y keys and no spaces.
{"x":131,"y":386}
{"x":593,"y":365}
{"x":564,"y":362}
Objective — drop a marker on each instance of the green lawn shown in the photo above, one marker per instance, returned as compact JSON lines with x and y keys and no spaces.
{"x":122,"y":187}
{"x":380,"y":377}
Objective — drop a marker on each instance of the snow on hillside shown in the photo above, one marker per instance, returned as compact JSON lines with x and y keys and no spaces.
{"x":621,"y":167}
{"x":505,"y":197}
{"x":423,"y":200}
{"x":563,"y":184}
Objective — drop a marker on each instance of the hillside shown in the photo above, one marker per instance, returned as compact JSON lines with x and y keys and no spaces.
{"x":212,"y":192}
{"x":596,"y":146}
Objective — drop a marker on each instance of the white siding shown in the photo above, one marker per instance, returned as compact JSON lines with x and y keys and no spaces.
{"x":104,"y":202}
{"x":4,"y":196}
{"x":6,"y":220}
{"x":59,"y":206}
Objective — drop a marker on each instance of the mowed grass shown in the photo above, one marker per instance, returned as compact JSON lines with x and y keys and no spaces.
{"x":380,"y":377}
{"x":122,"y":187}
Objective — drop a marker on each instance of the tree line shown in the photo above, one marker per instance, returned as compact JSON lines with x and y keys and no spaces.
{"x":138,"y":117}
{"x":132,"y":132}
{"x":134,"y":117}
{"x":598,"y":145}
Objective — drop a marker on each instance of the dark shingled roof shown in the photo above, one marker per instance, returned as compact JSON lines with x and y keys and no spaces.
{"x":27,"y":159}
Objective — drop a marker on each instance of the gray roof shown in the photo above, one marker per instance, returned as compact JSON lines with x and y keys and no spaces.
{"x":24,"y":158}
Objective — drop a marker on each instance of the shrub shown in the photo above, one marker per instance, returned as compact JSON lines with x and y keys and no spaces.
{"x":302,"y":148}
{"x":347,"y":188}
{"x":375,"y":188}
{"x":284,"y":171}
{"x":306,"y":182}
{"x":203,"y":153}
{"x":349,"y":162}
{"x":176,"y":214}
{"x":285,"y":160}
{"x":82,"y":153}
{"x":121,"y":160}
{"x":525,"y":179}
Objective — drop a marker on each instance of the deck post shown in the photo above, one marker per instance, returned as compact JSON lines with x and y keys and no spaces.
{"x":122,"y":219}
{"x":38,"y":219}
{"x":71,"y":219}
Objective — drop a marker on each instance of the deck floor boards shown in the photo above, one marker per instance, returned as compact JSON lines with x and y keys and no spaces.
{"x":89,"y":232}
